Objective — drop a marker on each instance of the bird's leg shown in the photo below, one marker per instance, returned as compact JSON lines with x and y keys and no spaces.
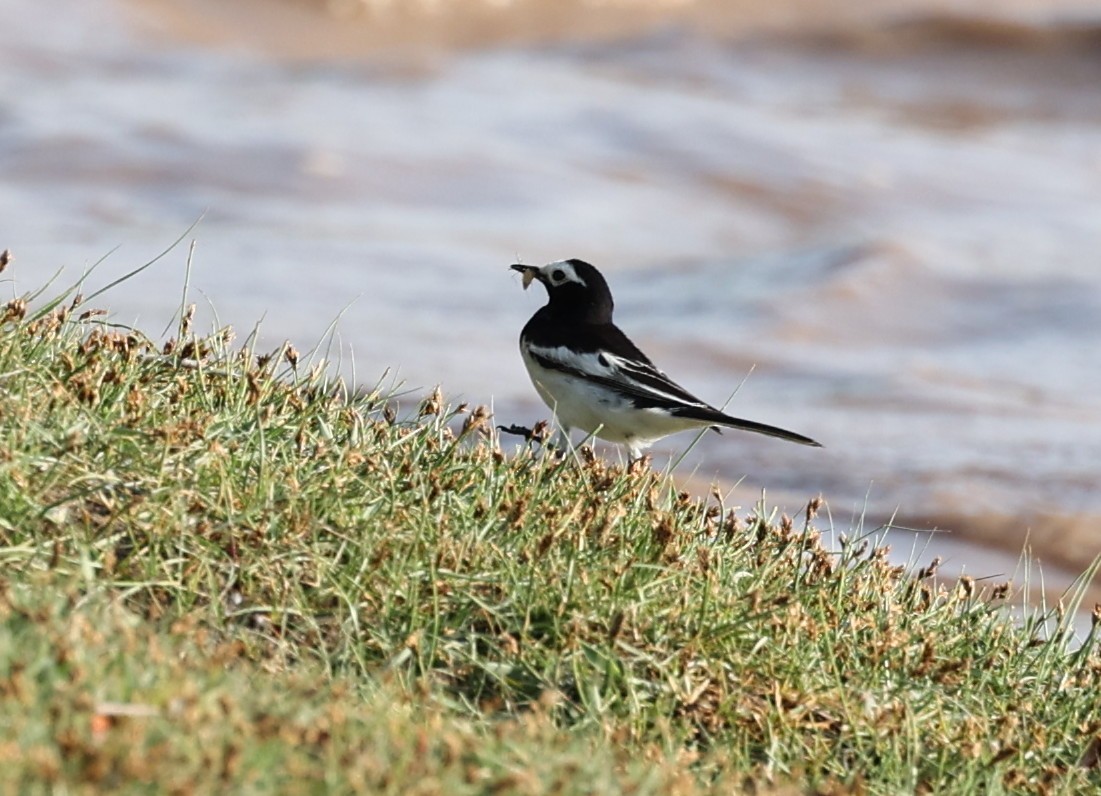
{"x":637,"y":461}
{"x":561,"y":442}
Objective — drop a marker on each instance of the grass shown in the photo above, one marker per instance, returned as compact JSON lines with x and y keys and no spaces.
{"x":221,"y":570}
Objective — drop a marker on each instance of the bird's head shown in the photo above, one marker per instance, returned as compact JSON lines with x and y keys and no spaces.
{"x":574,"y":288}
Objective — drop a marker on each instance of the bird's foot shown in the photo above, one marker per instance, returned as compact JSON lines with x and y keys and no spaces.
{"x":540,"y":432}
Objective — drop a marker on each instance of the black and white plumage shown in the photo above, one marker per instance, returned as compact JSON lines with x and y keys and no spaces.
{"x":594,"y":378}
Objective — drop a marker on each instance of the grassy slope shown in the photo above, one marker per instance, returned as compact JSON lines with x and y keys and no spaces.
{"x":214,"y":575}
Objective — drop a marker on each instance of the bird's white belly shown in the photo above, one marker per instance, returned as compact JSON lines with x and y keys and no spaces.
{"x":598,"y":410}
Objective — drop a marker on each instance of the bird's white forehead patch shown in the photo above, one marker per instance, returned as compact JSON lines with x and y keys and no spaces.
{"x":561,"y":272}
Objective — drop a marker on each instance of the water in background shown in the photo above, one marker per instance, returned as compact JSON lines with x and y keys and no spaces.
{"x":892,"y":218}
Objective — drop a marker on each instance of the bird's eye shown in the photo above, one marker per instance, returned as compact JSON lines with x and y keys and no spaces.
{"x":558,"y":275}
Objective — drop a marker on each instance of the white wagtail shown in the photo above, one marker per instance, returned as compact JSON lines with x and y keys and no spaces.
{"x":594,"y":378}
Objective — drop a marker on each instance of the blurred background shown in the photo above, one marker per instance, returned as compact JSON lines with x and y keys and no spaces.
{"x":880,"y":218}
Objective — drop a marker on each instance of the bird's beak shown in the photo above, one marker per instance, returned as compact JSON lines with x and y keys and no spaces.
{"x":529,"y":272}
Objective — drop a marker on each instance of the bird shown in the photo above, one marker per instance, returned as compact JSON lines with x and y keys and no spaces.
{"x":593,"y":378}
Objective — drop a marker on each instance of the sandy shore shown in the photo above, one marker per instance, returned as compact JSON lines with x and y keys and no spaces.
{"x":344,"y":29}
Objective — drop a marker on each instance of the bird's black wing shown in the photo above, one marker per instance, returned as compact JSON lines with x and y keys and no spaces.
{"x":604,"y":355}
{"x":607,"y":357}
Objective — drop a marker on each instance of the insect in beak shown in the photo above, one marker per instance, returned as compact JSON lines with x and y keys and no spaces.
{"x":527,"y":271}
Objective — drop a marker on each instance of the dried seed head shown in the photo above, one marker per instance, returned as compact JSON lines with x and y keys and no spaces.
{"x":432,"y":405}
{"x":254,"y":389}
{"x":813,"y":507}
{"x":5,"y":258}
{"x":731,"y":524}
{"x":967,"y":585}
{"x":664,"y":531}
{"x":135,"y":400}
{"x":14,"y":310}
{"x":931,"y":570}
{"x":541,"y":432}
{"x":476,"y":420}
{"x":290,"y":353}
{"x":185,"y":321}
{"x":389,"y":414}
{"x":85,"y":389}
{"x":191,"y":350}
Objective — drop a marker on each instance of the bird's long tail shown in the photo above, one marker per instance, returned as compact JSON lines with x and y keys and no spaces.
{"x":761,"y":428}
